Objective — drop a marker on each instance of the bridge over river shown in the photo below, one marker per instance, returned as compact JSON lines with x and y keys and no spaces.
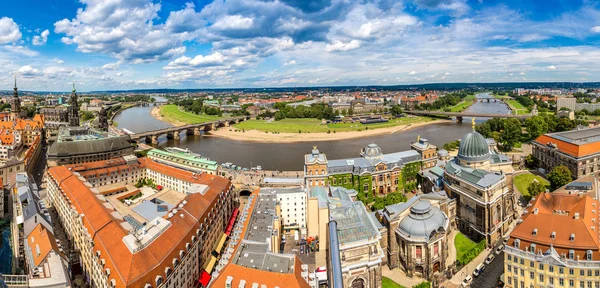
{"x":190,"y":129}
{"x":459,"y":115}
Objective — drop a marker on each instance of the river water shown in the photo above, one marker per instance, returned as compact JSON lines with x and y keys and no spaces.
{"x":290,"y":156}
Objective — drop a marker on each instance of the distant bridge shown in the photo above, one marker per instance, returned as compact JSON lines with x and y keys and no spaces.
{"x":459,"y":115}
{"x":190,"y":129}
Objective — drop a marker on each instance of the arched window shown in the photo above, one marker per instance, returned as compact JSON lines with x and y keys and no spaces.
{"x":188,"y":246}
{"x":147,"y":286}
{"x":175,"y":262}
{"x":113,"y":283}
{"x":159,"y":280}
{"x":107,"y":270}
{"x":588,"y":254}
{"x":181,"y":253}
{"x":358,"y":283}
{"x":168,"y":271}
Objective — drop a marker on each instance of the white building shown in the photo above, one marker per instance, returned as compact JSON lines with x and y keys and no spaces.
{"x":566,"y":102}
{"x":293,"y":206}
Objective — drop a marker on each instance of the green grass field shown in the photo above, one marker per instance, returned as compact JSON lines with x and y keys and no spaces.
{"x":517,"y":106}
{"x":389,"y":283}
{"x":312,"y":125}
{"x":522,"y":182}
{"x":462,"y":244}
{"x":461,"y":106}
{"x":172,"y":113}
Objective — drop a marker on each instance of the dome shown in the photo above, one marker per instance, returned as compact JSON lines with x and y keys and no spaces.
{"x":423,"y":220}
{"x":372,"y":151}
{"x":473,"y":147}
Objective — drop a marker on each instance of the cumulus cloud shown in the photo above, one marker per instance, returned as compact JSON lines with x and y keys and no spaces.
{"x":233,"y":22}
{"x":339,"y":46}
{"x":112,"y":66}
{"x":595,"y":29}
{"x":28,"y":72}
{"x":185,"y":62}
{"x":551,"y":67}
{"x":59,"y":61}
{"x":9,"y":31}
{"x":21,"y":50}
{"x":412,"y":73}
{"x":533,"y":37}
{"x":185,"y":20}
{"x":41,"y":39}
{"x":291,"y":62}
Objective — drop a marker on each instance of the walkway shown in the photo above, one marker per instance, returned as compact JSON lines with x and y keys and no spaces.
{"x":468,"y":269}
{"x":451,"y":248}
{"x":398,"y":276}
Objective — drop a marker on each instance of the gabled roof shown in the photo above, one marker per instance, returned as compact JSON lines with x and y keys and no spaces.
{"x":40,"y":243}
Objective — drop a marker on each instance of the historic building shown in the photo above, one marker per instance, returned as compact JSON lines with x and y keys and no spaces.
{"x":80,"y":144}
{"x":15,"y":104}
{"x":485,"y":203}
{"x":428,"y":152}
{"x":184,"y":159}
{"x":555,"y":243}
{"x":373,"y":174}
{"x":155,"y":239}
{"x":579,"y":150}
{"x":415,"y":237}
{"x":74,"y":109}
{"x":103,"y":119}
{"x":54,"y":118}
{"x":359,"y":235}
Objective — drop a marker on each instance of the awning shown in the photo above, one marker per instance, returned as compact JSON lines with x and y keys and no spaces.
{"x":231,"y":222}
{"x":204,"y":278}
{"x":210,"y":264}
{"x":220,"y":245}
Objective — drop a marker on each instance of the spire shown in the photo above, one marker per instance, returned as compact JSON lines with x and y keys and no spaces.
{"x":74,"y":87}
{"x":473,"y":123}
{"x":16,"y":93}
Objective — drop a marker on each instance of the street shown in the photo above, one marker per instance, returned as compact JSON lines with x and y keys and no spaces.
{"x":489,"y":277}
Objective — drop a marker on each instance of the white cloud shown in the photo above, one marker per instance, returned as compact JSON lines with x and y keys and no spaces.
{"x":184,"y":62}
{"x":9,"y":31}
{"x":533,"y":37}
{"x":21,"y":50}
{"x":27,"y":71}
{"x":119,"y":74}
{"x":59,"y":61}
{"x":233,"y":22}
{"x":595,"y":29}
{"x":551,"y":67}
{"x":291,"y":62}
{"x":41,"y":39}
{"x":112,"y":66}
{"x":337,"y":46}
{"x":412,"y":73}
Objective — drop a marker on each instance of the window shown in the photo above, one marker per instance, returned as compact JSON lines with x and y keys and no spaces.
{"x":561,"y":281}
{"x":550,"y":268}
{"x":561,"y":270}
{"x":571,"y":254}
{"x":509,"y":268}
{"x":581,"y":272}
{"x":551,"y":280}
{"x":571,"y":271}
{"x":541,"y":277}
{"x":531,"y":275}
{"x":541,"y":266}
{"x":419,"y":252}
{"x":588,"y":254}
{"x":509,"y":257}
{"x":522,"y":261}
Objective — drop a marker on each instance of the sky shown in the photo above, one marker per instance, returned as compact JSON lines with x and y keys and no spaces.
{"x":147,"y":44}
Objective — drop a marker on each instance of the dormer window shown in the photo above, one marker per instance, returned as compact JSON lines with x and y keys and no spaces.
{"x":532,"y":248}
{"x":571,"y":254}
{"x":553,"y":235}
{"x":517,"y":243}
{"x":572,"y":237}
{"x":534,"y":233}
{"x":588,"y":255}
{"x":159,"y":280}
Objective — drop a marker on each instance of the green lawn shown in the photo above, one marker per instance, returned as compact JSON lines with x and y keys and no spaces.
{"x":389,"y":283}
{"x":517,"y":106}
{"x":461,"y":106}
{"x":522,"y":182}
{"x":462,"y":244}
{"x":314,"y":125}
{"x":469,"y":97}
{"x":172,"y":112}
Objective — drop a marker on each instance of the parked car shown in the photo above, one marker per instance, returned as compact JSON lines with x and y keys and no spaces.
{"x":467,"y":282}
{"x":478,"y":270}
{"x":499,"y":249}
{"x":489,"y":259}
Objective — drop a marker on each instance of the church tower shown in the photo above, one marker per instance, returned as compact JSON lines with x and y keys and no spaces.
{"x":15,"y":103}
{"x":103,"y":120}
{"x":74,"y":109}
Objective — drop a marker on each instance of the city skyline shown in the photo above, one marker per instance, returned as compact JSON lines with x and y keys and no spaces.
{"x":144,"y":44}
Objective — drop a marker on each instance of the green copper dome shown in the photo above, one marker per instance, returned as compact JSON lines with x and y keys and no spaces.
{"x":473,"y":147}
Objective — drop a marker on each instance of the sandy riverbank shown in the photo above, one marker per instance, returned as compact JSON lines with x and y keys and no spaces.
{"x":156,"y":114}
{"x":261,"y":136}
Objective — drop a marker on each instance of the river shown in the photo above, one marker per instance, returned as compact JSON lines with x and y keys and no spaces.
{"x":290,"y":156}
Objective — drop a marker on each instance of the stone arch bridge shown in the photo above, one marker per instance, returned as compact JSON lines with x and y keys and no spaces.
{"x":190,"y":129}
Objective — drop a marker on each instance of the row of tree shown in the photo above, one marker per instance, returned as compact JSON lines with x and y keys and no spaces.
{"x":317,"y":110}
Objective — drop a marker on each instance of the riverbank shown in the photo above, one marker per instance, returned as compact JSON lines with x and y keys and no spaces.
{"x":266,"y":137}
{"x":156,"y":114}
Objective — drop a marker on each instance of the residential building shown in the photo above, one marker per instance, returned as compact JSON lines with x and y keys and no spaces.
{"x":591,"y":107}
{"x":416,"y":234}
{"x":184,"y":159}
{"x":373,"y":174}
{"x":359,"y":235}
{"x":555,"y":243}
{"x":46,"y":262}
{"x":566,"y":113}
{"x":255,"y":260}
{"x":566,"y":102}
{"x":579,"y":150}
{"x":156,"y":239}
{"x":293,"y":206}
{"x":428,"y":152}
{"x":81,"y":144}
{"x":476,"y":180}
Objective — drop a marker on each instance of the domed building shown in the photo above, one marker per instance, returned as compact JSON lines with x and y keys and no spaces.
{"x":416,"y":234}
{"x":476,"y":179}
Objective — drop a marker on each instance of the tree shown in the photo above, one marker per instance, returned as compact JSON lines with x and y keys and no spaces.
{"x":530,"y":161}
{"x":536,"y":126}
{"x":565,"y":124}
{"x":535,"y":188}
{"x":559,"y":176}
{"x":396,"y":110}
{"x":511,"y":133}
{"x":351,"y":111}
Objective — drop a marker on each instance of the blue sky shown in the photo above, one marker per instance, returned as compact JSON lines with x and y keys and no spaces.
{"x":138,"y":44}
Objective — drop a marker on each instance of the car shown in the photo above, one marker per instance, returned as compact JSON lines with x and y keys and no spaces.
{"x":478,"y":270}
{"x":467,"y":282}
{"x":489,"y":259}
{"x":499,"y":249}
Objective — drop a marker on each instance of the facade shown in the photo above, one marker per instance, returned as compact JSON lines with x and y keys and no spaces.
{"x":255,"y":260}
{"x":184,"y":159}
{"x":103,"y":120}
{"x":588,"y":106}
{"x":55,"y":117}
{"x":359,"y":235}
{"x":80,"y":145}
{"x":485,"y":203}
{"x":579,"y":150}
{"x":74,"y":109}
{"x":15,"y":103}
{"x":293,"y":206}
{"x":374,"y":174}
{"x":566,"y":102}
{"x":416,"y":234}
{"x":359,"y":106}
{"x":555,"y":244}
{"x":428,"y":152}
{"x":162,"y":239}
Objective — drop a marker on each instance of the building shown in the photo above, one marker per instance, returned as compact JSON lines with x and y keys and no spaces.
{"x":101,"y":122}
{"x":15,"y":104}
{"x":54,"y":118}
{"x":373,"y":174}
{"x":359,"y":235}
{"x":293,"y":206}
{"x":428,"y":152}
{"x":566,"y":113}
{"x":476,"y":180}
{"x":555,"y":243}
{"x":80,"y":144}
{"x":140,"y":237}
{"x":184,"y":159}
{"x":74,"y":109}
{"x":578,"y":150}
{"x":566,"y":102}
{"x":591,"y":107}
{"x":359,"y":106}
{"x":254,"y":260}
{"x":416,"y":234}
